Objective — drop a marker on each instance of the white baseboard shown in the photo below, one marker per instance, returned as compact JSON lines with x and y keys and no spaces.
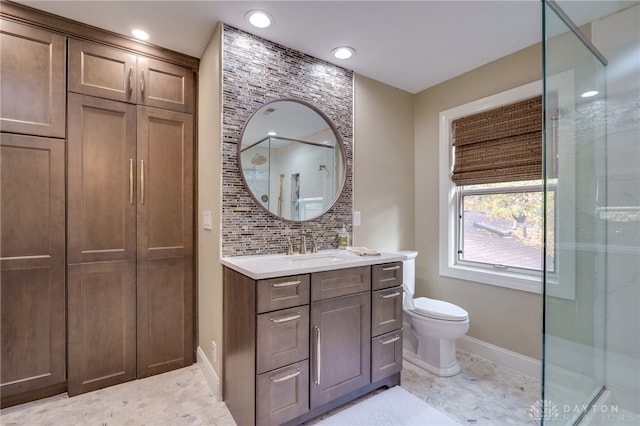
{"x":522,"y":364}
{"x":210,"y":374}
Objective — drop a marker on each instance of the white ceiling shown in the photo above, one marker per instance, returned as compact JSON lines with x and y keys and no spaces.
{"x":411,"y":45}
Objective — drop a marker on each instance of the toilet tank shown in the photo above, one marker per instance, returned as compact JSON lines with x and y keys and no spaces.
{"x":409,"y":269}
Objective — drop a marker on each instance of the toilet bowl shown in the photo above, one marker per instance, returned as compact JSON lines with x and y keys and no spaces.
{"x":430,"y":327}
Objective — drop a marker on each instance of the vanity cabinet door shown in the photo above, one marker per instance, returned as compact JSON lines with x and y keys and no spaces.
{"x":283,"y":338}
{"x":386,"y":310}
{"x":340,"y":282}
{"x":283,"y":394}
{"x":386,"y":355}
{"x":340,"y":346}
{"x":386,"y":275}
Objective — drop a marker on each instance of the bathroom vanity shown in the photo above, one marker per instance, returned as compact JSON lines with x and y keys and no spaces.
{"x":304,"y":334}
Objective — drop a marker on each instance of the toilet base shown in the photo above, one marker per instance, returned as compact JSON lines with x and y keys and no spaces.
{"x":448,"y":371}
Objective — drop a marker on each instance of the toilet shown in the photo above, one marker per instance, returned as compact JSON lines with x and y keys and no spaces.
{"x":430,"y":327}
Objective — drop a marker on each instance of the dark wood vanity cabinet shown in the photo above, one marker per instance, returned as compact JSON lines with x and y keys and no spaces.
{"x":298,"y":346}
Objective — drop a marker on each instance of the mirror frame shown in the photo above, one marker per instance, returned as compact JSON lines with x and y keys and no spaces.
{"x":339,"y":142}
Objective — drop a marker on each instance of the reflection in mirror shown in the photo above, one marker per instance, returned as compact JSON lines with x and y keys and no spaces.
{"x":292,"y":160}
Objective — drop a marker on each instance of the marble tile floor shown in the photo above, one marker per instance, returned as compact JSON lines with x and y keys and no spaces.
{"x":484,"y":393}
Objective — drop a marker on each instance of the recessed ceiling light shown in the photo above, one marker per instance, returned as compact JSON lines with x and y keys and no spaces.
{"x":259,"y":18}
{"x":139,"y":34}
{"x":344,"y":52}
{"x":589,"y":93}
{"x":272,"y":133}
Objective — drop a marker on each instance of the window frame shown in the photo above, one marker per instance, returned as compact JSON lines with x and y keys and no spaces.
{"x":559,"y":284}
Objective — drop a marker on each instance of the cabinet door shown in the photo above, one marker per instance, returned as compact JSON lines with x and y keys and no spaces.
{"x":102,"y":325}
{"x":165,"y":190}
{"x":386,"y":310}
{"x":341,"y":346}
{"x":101,"y":180}
{"x":32,"y":88}
{"x":32,"y":263}
{"x":102,"y":71}
{"x":164,"y":85}
{"x":165,"y":315}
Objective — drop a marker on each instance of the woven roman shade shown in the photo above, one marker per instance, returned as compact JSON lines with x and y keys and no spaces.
{"x":500,"y":145}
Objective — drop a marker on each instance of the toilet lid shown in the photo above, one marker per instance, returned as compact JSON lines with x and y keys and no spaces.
{"x":439,"y":309}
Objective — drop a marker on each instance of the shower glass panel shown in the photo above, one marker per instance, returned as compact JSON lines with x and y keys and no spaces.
{"x":575,"y":190}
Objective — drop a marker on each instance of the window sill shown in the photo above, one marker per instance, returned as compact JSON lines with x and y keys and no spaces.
{"x":530,"y":284}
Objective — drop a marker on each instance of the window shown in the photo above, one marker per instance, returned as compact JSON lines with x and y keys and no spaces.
{"x":491,"y":217}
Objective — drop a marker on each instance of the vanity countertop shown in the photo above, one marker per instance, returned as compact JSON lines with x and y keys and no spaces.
{"x":260,"y":267}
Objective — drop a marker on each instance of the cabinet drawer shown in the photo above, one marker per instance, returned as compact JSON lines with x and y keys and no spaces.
{"x":282,"y":394}
{"x":386,"y":275}
{"x":386,"y":355}
{"x":386,"y":310}
{"x":283,"y":292}
{"x":283,"y":338}
{"x":340,"y":282}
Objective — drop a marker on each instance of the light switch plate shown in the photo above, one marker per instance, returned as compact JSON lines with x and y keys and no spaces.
{"x":356,"y":218}
{"x":206,"y":219}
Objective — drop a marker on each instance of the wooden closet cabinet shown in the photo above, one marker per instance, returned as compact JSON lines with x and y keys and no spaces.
{"x":130,"y":233}
{"x":106,"y":72}
{"x":32,"y":89}
{"x":32,"y":266}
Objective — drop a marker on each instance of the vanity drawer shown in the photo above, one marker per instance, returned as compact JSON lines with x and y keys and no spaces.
{"x":386,"y":275}
{"x":282,"y":394}
{"x":340,"y":282}
{"x":283,"y":338}
{"x":386,"y":355}
{"x":282,"y":292}
{"x":386,"y":310}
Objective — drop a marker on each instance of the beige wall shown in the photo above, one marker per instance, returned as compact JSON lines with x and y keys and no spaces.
{"x":383,"y":166}
{"x":507,"y":318}
{"x":209,"y":176}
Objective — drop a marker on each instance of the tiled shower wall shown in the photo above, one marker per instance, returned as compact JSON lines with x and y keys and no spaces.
{"x":256,"y":71}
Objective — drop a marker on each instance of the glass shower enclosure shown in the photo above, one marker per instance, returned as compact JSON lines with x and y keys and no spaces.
{"x":591,"y":338}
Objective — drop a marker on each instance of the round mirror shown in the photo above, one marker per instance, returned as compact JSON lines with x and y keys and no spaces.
{"x":292,"y":160}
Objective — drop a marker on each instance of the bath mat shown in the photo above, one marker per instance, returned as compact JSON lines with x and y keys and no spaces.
{"x":392,"y":407}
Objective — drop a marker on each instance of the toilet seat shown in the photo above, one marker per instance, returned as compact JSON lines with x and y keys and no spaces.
{"x":439,"y":309}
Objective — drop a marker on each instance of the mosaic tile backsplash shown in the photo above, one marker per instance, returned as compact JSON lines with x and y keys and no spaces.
{"x":256,"y":71}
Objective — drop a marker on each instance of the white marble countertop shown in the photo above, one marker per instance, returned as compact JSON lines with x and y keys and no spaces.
{"x":260,"y":267}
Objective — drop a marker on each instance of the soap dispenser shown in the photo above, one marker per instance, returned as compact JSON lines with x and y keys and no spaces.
{"x":343,"y":238}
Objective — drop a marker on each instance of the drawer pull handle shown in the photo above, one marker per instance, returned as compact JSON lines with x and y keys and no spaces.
{"x":393,"y":339}
{"x":317,"y":381}
{"x":390,"y":268}
{"x":390,"y":296}
{"x":286,"y":319}
{"x":286,"y":284}
{"x":287,"y":377}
